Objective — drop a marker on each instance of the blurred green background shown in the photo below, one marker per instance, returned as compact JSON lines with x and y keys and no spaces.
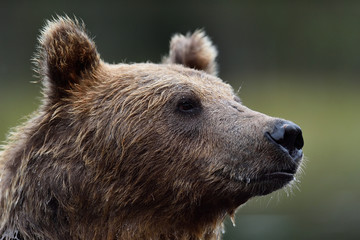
{"x":298,"y":60}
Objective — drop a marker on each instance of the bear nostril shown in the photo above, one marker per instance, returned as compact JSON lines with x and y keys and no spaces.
{"x":299,"y":141}
{"x":288,"y":135}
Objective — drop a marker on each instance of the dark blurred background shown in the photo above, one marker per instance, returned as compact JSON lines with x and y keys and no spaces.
{"x":298,"y":60}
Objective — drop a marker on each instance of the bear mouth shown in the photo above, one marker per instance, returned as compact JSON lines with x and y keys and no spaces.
{"x":284,"y":175}
{"x":263,"y":184}
{"x":279,"y":176}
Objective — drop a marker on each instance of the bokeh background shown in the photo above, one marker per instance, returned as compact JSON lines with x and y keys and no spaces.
{"x":298,"y":60}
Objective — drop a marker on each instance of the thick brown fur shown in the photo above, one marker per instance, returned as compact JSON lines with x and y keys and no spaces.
{"x":114,"y":152}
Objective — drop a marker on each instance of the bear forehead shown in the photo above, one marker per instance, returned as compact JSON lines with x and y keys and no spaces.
{"x":172,"y":77}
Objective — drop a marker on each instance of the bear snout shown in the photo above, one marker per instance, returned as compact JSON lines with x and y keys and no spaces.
{"x":287,"y":136}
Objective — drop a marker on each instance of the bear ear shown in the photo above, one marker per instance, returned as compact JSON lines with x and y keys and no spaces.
{"x":65,"y":55}
{"x":193,"y":51}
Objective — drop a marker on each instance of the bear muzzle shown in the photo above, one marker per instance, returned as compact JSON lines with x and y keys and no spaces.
{"x":285,"y":142}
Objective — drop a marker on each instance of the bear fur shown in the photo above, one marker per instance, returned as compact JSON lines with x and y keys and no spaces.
{"x":132,"y":151}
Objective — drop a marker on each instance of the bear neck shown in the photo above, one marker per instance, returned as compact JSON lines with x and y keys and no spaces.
{"x":203,"y":221}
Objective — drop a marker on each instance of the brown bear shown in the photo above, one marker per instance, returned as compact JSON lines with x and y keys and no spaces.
{"x":137,"y":151}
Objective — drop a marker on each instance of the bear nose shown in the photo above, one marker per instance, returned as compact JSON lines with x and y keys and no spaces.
{"x":289,"y":136}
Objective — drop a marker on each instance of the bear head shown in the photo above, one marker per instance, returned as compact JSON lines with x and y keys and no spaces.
{"x":122,"y":148}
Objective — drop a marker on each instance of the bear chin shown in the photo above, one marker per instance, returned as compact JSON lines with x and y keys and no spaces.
{"x":266,"y":182}
{"x":261,"y":185}
{"x":271,"y":182}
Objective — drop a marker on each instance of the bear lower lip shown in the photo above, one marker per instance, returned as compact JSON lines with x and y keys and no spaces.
{"x":276,"y":176}
{"x":270,"y":182}
{"x":281,"y":176}
{"x":286,"y":176}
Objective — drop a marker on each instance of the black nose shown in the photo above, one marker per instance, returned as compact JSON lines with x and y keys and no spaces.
{"x":289,"y":136}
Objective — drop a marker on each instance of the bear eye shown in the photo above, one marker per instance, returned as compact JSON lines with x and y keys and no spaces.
{"x":188,"y":106}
